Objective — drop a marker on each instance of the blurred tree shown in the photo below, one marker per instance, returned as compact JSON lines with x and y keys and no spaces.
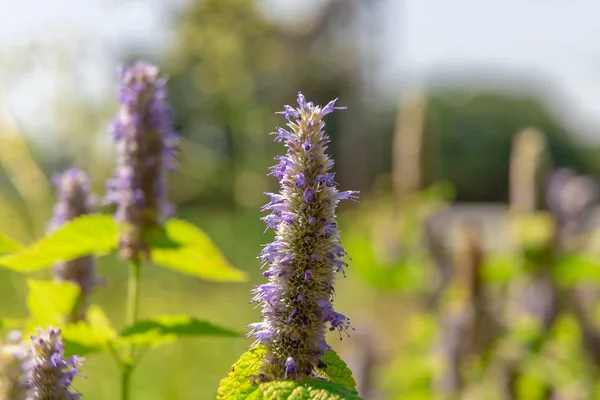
{"x":231,"y":68}
{"x":226,"y":69}
{"x":468,"y":138}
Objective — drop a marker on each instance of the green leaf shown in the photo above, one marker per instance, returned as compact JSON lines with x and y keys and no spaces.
{"x":197,"y":256}
{"x":303,"y":390}
{"x":572,"y":268}
{"x":50,"y":301}
{"x":158,"y":238}
{"x":90,"y":234}
{"x":501,"y":268}
{"x":8,"y":245}
{"x":85,"y":337}
{"x":239,"y":383}
{"x":158,"y":330}
{"x":12,"y":323}
{"x":337,"y":371}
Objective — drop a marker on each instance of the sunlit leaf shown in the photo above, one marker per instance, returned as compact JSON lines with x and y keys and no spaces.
{"x":197,"y":256}
{"x":12,"y":323}
{"x":50,"y":301}
{"x":238,"y":384}
{"x":242,"y":383}
{"x":94,"y":334}
{"x":337,"y":371}
{"x":501,"y":268}
{"x":158,"y":330}
{"x":572,"y":268}
{"x":8,"y":245}
{"x":90,"y":234}
{"x":303,"y":390}
{"x":532,"y":230}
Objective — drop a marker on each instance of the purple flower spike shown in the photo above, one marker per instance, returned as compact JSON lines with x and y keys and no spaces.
{"x":306,"y":254}
{"x":144,"y":130}
{"x":74,"y":200}
{"x":50,"y":374}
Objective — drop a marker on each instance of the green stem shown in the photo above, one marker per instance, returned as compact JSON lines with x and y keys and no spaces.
{"x":133,"y":297}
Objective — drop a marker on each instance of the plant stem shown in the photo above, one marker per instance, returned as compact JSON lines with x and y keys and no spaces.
{"x":133,"y":294}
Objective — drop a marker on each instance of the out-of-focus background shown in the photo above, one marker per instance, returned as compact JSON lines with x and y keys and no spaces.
{"x":460,"y":115}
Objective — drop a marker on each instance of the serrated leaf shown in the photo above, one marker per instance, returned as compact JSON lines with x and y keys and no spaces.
{"x":238,"y":384}
{"x":164,"y":329}
{"x":304,"y":390}
{"x":90,"y":234}
{"x":198,"y":256}
{"x":8,"y":245}
{"x":50,"y":301}
{"x":337,"y":371}
{"x":85,"y":337}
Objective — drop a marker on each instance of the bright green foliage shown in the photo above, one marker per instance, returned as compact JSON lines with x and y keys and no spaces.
{"x":12,"y":323}
{"x":303,"y":390}
{"x":197,"y":256}
{"x":412,"y":374}
{"x":386,"y":241}
{"x":238,"y":382}
{"x":50,"y":301}
{"x":91,"y":234}
{"x":573,"y":268}
{"x":95,"y":334}
{"x":159,"y":330}
{"x":242,"y":382}
{"x":502,"y":268}
{"x":8,"y":245}
{"x":337,"y":371}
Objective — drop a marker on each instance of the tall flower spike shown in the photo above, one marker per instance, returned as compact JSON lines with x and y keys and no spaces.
{"x":74,"y":200}
{"x":50,"y":375}
{"x":144,"y":131}
{"x":306,"y":254}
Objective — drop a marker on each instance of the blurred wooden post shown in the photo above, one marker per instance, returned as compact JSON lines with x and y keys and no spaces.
{"x":407,"y":146}
{"x":465,"y":329}
{"x":529,"y":161}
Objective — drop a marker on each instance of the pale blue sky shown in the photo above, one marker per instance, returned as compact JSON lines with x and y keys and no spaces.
{"x":555,"y":40}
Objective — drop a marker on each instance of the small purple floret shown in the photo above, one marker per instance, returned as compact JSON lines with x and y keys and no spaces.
{"x":50,"y":374}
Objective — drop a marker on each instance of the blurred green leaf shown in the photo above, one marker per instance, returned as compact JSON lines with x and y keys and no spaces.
{"x":50,"y":301}
{"x":159,"y":330}
{"x":12,"y":323}
{"x":501,"y":268}
{"x":8,"y":245}
{"x":337,"y":371}
{"x":532,"y":230}
{"x":91,"y":234}
{"x":238,"y":384}
{"x":572,"y":268}
{"x":93,"y":335}
{"x":158,"y":238}
{"x":197,"y":256}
